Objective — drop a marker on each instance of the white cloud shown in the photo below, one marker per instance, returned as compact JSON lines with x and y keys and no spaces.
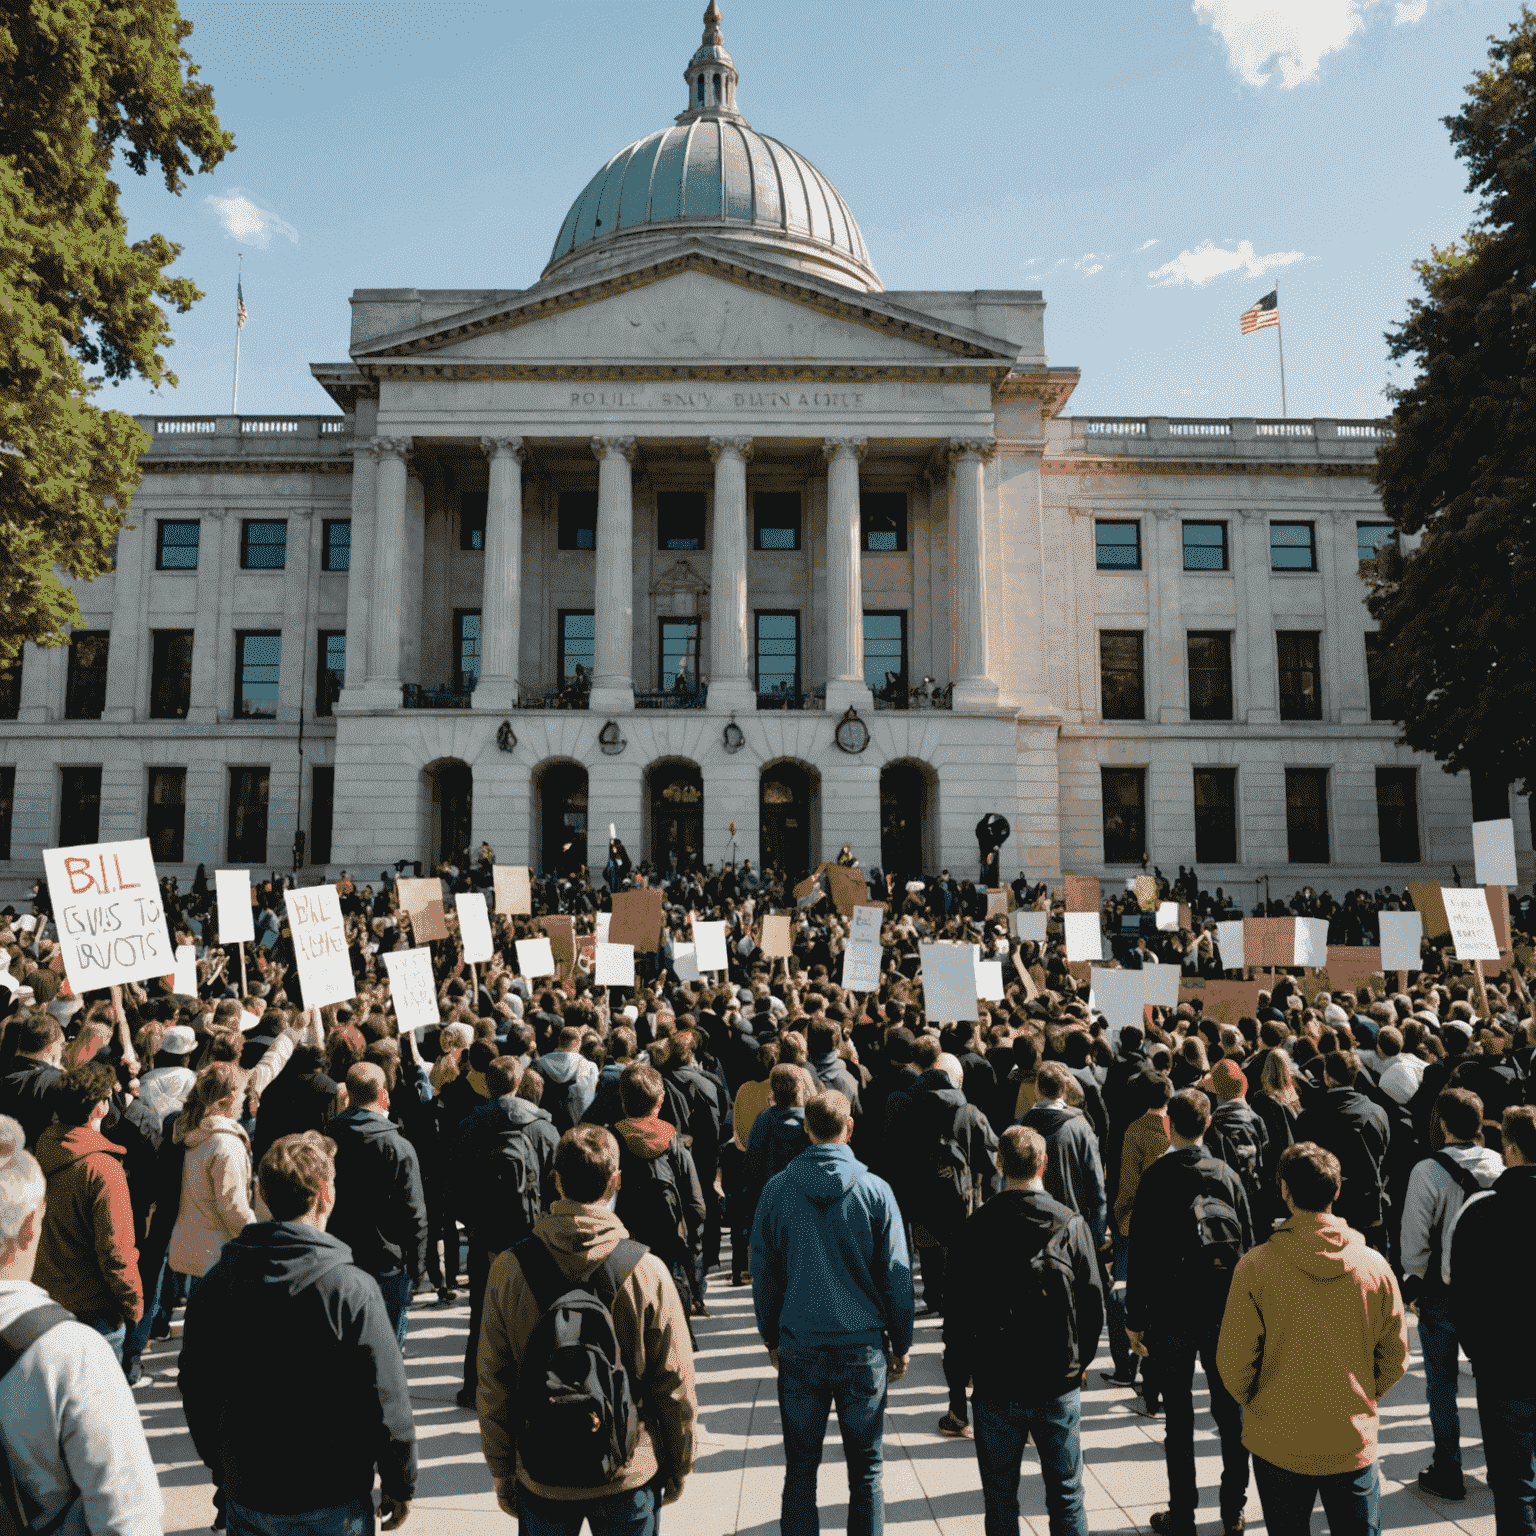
{"x":1209,"y":261}
{"x":1406,"y":12}
{"x":1291,"y":35}
{"x":243,"y":220}
{"x":1091,"y":262}
{"x":1146,"y":245}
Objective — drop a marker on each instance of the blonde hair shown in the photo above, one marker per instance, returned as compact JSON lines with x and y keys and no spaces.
{"x":22,"y":1185}
{"x":214,"y":1085}
{"x":1278,"y":1079}
{"x":86,"y":1046}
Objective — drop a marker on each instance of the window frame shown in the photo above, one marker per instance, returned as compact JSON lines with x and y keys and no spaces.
{"x":247,"y":525}
{"x":662,"y":620}
{"x":175,"y":821}
{"x":239,"y":852}
{"x":1137,"y":775}
{"x":868,"y":501}
{"x":318,"y":846}
{"x":461,"y":676}
{"x":1134,"y":524}
{"x":565,"y":515}
{"x":903,"y":680}
{"x":1190,"y":637}
{"x":1388,"y":529}
{"x":676,"y":516}
{"x":1212,"y":844}
{"x":327,"y":692}
{"x":159,"y":642}
{"x":474,"y":511}
{"x":758,"y":615}
{"x":1377,"y":680}
{"x":1294,"y":570}
{"x":1299,"y":672}
{"x":758,"y":525}
{"x":328,"y":546}
{"x":1292,"y":834}
{"x":78,"y":678}
{"x":1407,"y":816}
{"x":565,"y":674}
{"x":196,"y":546}
{"x":89,"y":829}
{"x":1141,"y":674}
{"x":241,"y":636}
{"x":1185,"y":546}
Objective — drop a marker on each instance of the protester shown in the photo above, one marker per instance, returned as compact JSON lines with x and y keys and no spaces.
{"x":1074,"y":1174}
{"x":216,"y":1176}
{"x":28,"y":1091}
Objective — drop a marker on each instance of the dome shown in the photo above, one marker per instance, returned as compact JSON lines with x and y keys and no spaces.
{"x":712,"y":173}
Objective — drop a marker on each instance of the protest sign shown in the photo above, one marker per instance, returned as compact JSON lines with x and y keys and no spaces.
{"x":602,"y":924}
{"x":1229,"y":940}
{"x":422,"y":902}
{"x":320,"y":945}
{"x":1311,"y":942}
{"x":709,"y":944}
{"x":1471,"y":923}
{"x":106,"y":903}
{"x":232,"y":887}
{"x":1229,"y":1001}
{"x":560,"y":930}
{"x":512,"y":885}
{"x":997,"y":903}
{"x":776,"y":939}
{"x":615,"y":965}
{"x":1427,"y":903}
{"x":1030,"y":926}
{"x":949,"y":982}
{"x":184,"y":983}
{"x":1493,"y":852}
{"x":637,"y":918}
{"x":1401,"y":934}
{"x":1082,"y":893}
{"x":685,"y":963}
{"x":1160,"y":985}
{"x":1146,"y":892}
{"x":1084,"y":941}
{"x":1167,"y":917}
{"x":848,"y":886}
{"x":1349,"y":966}
{"x":1118,"y":995}
{"x":535,"y":958}
{"x":412,"y":988}
{"x":989,"y":981}
{"x":861,"y":968}
{"x":474,"y":927}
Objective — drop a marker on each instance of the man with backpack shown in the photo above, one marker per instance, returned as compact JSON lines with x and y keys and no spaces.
{"x":601,"y":1431}
{"x":1357,"y":1132}
{"x":1240,"y":1139}
{"x":501,"y":1173}
{"x":570,"y":1080}
{"x":1189,"y":1228}
{"x":695,"y":1101}
{"x":1028,"y":1344}
{"x":1074,"y":1173}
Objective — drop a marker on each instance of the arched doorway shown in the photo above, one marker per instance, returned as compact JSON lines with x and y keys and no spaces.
{"x":677,"y":816}
{"x":786,"y":816}
{"x":450,"y":788}
{"x":561,"y":797}
{"x":903,"y":820}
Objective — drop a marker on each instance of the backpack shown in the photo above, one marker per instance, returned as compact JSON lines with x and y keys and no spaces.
{"x":500,"y":1193}
{"x":942,"y":1199}
{"x":577,"y":1423}
{"x":15,"y":1341}
{"x":1470,"y":1185}
{"x":1236,"y":1136}
{"x":559,"y":1100}
{"x":1214,"y":1244}
{"x":1030,"y":1326}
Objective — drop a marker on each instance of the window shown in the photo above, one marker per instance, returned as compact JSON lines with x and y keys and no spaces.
{"x":1125,"y":815}
{"x":79,"y":806}
{"x":1397,"y":814}
{"x":247,"y":815}
{"x":776,"y":520}
{"x":170,"y":678}
{"x":578,"y":642}
{"x":883,"y":521}
{"x":885,"y":654}
{"x":466,"y":647}
{"x":1118,"y":546}
{"x":258,"y":659}
{"x":1379,"y":679}
{"x":263,"y":545}
{"x":472,"y":506}
{"x":778,"y":655}
{"x":1370,"y":537}
{"x":1306,"y":815}
{"x":1120,"y":683}
{"x":1216,"y":815}
{"x":333,"y":670}
{"x":680,"y":520}
{"x":322,"y":813}
{"x":176,"y":546}
{"x":85,"y":691}
{"x":578,"y":520}
{"x":10,"y":688}
{"x":166,"y":822}
{"x":679,"y":655}
{"x":7,"y":805}
{"x":1301,"y":694}
{"x":1490,"y":796}
{"x":1292,"y":547}
{"x":1205,"y":546}
{"x":1210,"y":675}
{"x":337,"y":554}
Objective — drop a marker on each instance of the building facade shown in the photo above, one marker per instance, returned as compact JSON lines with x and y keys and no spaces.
{"x":709,"y":537}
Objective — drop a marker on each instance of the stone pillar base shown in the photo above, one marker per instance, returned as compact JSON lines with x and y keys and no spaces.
{"x":611,"y":701}
{"x":495,"y":693}
{"x":844,"y":693}
{"x":975,"y":693}
{"x":728,"y":693}
{"x":375,"y":694}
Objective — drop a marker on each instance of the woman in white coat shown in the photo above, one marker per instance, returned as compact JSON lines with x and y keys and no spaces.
{"x":216,"y":1177}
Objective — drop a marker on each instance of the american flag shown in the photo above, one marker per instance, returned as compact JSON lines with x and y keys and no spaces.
{"x":240,"y":306}
{"x":1265,"y":312}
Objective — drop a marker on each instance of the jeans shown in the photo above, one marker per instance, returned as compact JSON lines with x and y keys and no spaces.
{"x":159,"y":1301}
{"x":1437,"y":1339}
{"x":1351,"y":1500}
{"x":354,"y":1519}
{"x":479,"y":1269}
{"x":397,"y":1290}
{"x":1125,"y":1358}
{"x":1509,"y":1453}
{"x":1176,"y":1383}
{"x":637,"y":1513}
{"x":113,"y":1329}
{"x":1002,"y":1428}
{"x":810,"y":1381}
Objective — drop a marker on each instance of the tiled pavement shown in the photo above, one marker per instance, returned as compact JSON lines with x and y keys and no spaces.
{"x":930,"y":1482}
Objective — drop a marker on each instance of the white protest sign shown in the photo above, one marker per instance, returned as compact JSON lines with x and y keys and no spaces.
{"x":949,"y":982}
{"x":861,"y":969}
{"x":535,"y":958}
{"x":1471,"y":924}
{"x":1229,"y":940}
{"x":685,"y":963}
{"x":184,"y":982}
{"x":1160,"y":985}
{"x":1493,"y":852}
{"x":989,"y":980}
{"x":1311,"y":945}
{"x":1029,"y":926}
{"x":864,"y":925}
{"x":1084,"y":941}
{"x":1402,"y":933}
{"x":1167,"y":917}
{"x":106,"y":903}
{"x":233,"y":889}
{"x":412,"y":988}
{"x":320,"y":945}
{"x":474,"y":927}
{"x":709,"y":941}
{"x":603,"y":921}
{"x":1118,"y":995}
{"x":997,"y":903}
{"x":615,"y":965}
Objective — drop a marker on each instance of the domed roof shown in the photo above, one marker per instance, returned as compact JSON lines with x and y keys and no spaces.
{"x":712,"y":173}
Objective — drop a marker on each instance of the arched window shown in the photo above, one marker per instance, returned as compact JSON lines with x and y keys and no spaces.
{"x":701,"y":90}
{"x":717,"y":90}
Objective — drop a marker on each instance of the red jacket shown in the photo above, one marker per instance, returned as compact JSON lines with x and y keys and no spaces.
{"x":87,"y":1259}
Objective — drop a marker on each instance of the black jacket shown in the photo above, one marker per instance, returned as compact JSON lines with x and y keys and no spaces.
{"x":291,"y":1379}
{"x":1074,"y":1172}
{"x":28,"y":1093}
{"x":380,"y":1212}
{"x":1493,"y":1245}
{"x":916,"y":1120}
{"x":479,"y":1141}
{"x":1357,"y":1132}
{"x":993,"y":1247}
{"x":869,"y":1139}
{"x":296,"y":1102}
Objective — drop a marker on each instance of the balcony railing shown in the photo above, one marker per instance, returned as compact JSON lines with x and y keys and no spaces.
{"x":787,"y":698}
{"x":672,"y":698}
{"x":569,"y":697}
{"x":457,"y":695}
{"x":927,"y":695}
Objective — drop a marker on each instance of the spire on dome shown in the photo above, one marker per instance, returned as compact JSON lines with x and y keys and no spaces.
{"x":713,"y":37}
{"x":711,"y":76}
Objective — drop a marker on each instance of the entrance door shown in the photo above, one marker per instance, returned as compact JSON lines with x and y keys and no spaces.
{"x":784,"y":820}
{"x":677,"y":818}
{"x":563,"y":834}
{"x":453,"y":791}
{"x":902,"y":797}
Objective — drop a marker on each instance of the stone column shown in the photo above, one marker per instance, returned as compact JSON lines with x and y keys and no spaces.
{"x":387,"y":603}
{"x":845,"y":588}
{"x":1256,"y":629}
{"x":210,"y":620}
{"x":730,"y":678}
{"x":128,"y":668}
{"x":974,"y":685}
{"x":613,"y":686}
{"x":297,"y":672}
{"x":365,"y":467}
{"x":501,"y":598}
{"x":1167,"y":650}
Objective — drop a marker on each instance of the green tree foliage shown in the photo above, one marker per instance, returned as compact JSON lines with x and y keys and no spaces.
{"x":82,"y":81}
{"x":1457,"y":613}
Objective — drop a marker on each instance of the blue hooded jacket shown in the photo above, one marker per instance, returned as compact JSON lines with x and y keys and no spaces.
{"x":829,"y":1256}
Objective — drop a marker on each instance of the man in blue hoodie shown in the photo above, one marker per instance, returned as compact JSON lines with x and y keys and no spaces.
{"x":832,"y":1286}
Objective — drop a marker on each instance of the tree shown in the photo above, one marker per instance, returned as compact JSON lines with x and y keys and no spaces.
{"x":80,"y":82}
{"x":1456,"y":613}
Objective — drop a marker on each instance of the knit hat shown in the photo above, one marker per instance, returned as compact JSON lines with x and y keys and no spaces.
{"x":1225,"y":1080}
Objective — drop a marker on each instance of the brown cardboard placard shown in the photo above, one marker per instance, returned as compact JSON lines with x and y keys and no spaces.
{"x":513,"y":885}
{"x":1427,"y":903}
{"x":1146,"y":892}
{"x":1080,"y":970}
{"x":422,"y":902}
{"x":1082,"y":892}
{"x":1185,"y":921}
{"x":1351,"y":966}
{"x":776,"y":937}
{"x":1228,"y":1001}
{"x":997,"y":901}
{"x":1498,"y":909}
{"x":637,"y":919}
{"x":849,"y":888}
{"x":560,"y":929}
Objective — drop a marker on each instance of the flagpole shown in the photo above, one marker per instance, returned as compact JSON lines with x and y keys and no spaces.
{"x":234,"y":400}
{"x":1280,"y":341}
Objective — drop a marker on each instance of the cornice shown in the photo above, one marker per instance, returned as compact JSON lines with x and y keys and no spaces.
{"x":1300,"y":468}
{"x":453,"y":370}
{"x":1052,"y":387}
{"x":253,"y":466}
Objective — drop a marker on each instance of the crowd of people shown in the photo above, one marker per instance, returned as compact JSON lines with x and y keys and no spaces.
{"x":1267,"y":1198}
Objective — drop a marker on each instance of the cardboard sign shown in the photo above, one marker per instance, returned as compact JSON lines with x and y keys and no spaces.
{"x":989,"y":981}
{"x":997,"y":903}
{"x":1493,"y":852}
{"x":1119,"y":996}
{"x":861,"y":968}
{"x":615,"y":966}
{"x":1498,"y":912}
{"x":776,"y":937}
{"x":1084,"y":941}
{"x":1428,"y":904}
{"x":1167,"y":917}
{"x":474,"y":927}
{"x":560,"y":930}
{"x":685,"y":963}
{"x":1160,"y":985}
{"x":1082,"y":893}
{"x":1145,"y":887}
{"x":1471,"y":923}
{"x":1229,"y":1001}
{"x":232,"y":888}
{"x":512,"y":885}
{"x":637,"y":919}
{"x":709,"y":944}
{"x":106,"y":903}
{"x":1230,"y":941}
{"x":1401,"y":934}
{"x":1351,"y":966}
{"x":1030,"y":926}
{"x":320,"y":945}
{"x":535,"y":957}
{"x":949,"y":982}
{"x":412,"y":988}
{"x":849,"y":888}
{"x":184,"y":983}
{"x":422,"y":902}
{"x":602,"y":923}
{"x":1311,"y":942}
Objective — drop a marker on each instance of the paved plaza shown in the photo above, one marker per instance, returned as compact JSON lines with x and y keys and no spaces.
{"x":931,"y":1484}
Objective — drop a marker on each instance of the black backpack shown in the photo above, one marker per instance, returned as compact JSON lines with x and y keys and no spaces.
{"x":577,"y":1423}
{"x":1214,"y":1244}
{"x":1031,"y":1324}
{"x":943,"y":1194}
{"x":15,"y":1341}
{"x":500,"y":1194}
{"x":559,"y":1101}
{"x":1470,"y":1184}
{"x":1236,"y":1136}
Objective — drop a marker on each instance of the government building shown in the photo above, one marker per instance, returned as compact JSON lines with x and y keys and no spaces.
{"x":709,"y":536}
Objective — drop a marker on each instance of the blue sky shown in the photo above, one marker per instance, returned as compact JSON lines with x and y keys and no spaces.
{"x":1153,"y":166}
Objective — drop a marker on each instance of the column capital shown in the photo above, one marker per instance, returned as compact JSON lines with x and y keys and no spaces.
{"x":740,"y":446}
{"x":300,"y":514}
{"x":843,"y":447}
{"x":512,"y":447}
{"x":392,"y":447}
{"x":218,"y":514}
{"x":626,"y":447}
{"x":971,"y":447}
{"x":1255,"y":514}
{"x":1165,"y":514}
